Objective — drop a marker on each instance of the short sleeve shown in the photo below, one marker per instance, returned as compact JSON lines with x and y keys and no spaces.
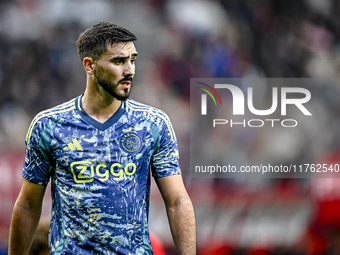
{"x":164,"y":161}
{"x":37,"y":166}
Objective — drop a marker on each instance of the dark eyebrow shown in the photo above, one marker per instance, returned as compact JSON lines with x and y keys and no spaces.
{"x":124,"y":57}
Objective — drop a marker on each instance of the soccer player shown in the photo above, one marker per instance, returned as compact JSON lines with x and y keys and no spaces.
{"x":98,"y":150}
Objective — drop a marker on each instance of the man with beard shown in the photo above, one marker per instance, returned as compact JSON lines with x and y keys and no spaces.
{"x":98,"y":150}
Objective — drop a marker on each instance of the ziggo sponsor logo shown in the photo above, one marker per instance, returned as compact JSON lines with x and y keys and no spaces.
{"x":84,"y":171}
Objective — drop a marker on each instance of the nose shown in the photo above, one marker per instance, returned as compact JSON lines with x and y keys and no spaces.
{"x":129,"y":69}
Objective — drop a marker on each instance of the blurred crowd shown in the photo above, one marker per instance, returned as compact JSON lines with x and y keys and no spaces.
{"x":177,"y":40}
{"x":226,"y":38}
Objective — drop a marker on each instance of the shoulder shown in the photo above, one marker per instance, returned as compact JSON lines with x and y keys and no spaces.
{"x":151,"y":114}
{"x":47,"y":117}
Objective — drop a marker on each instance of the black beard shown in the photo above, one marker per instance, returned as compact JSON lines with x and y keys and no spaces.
{"x":110,"y":87}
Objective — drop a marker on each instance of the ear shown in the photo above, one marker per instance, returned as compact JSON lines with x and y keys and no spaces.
{"x":89,"y":65}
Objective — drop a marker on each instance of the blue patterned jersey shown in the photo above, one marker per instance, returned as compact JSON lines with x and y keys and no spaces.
{"x":100,"y":174}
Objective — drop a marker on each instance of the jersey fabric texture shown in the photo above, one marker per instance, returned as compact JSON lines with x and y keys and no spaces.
{"x":100,"y":174}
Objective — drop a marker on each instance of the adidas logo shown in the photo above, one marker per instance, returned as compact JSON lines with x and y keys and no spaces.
{"x":72,"y":146}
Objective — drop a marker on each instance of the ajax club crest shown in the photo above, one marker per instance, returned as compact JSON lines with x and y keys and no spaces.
{"x":130,"y":142}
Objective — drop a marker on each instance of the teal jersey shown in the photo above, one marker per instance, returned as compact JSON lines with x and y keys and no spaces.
{"x":100,"y":174}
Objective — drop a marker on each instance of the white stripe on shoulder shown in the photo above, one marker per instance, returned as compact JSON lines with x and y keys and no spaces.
{"x":139,"y":107}
{"x":65,"y":107}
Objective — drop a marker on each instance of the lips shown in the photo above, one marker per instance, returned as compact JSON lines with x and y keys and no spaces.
{"x":125,"y":84}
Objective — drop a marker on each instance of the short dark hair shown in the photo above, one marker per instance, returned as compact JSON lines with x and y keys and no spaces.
{"x":94,"y":41}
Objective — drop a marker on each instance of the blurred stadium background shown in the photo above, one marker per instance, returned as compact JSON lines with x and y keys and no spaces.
{"x":179,"y":40}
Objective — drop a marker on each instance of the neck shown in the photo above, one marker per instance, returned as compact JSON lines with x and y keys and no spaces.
{"x":99,"y":105}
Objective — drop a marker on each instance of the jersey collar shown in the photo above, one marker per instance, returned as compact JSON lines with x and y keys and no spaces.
{"x":97,"y":124}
